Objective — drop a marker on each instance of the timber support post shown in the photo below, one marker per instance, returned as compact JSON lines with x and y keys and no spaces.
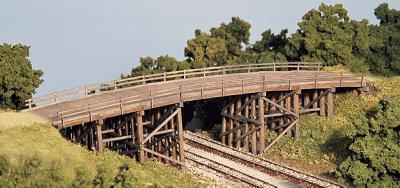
{"x":322,"y":109}
{"x":99,"y":134}
{"x":330,"y":102}
{"x":261,"y":112}
{"x":139,"y":119}
{"x":296,"y":108}
{"x":181,"y":136}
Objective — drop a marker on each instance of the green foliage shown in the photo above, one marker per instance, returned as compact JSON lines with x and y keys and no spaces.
{"x":234,"y":34}
{"x":222,"y":46}
{"x":206,"y":51}
{"x":271,"y":42}
{"x":375,"y":148}
{"x":150,"y":66}
{"x":18,"y":81}
{"x":384,"y":58}
{"x":34,"y":154}
{"x":82,"y":179}
{"x":328,"y":35}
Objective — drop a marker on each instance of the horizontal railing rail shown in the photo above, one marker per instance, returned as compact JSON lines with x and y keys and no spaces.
{"x":75,"y":93}
{"x":181,"y":92}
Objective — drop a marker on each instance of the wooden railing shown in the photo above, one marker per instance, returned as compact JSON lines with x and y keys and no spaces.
{"x":171,"y":95}
{"x":78,"y":92}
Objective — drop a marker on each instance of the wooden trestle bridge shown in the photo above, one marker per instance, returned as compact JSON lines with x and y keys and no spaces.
{"x":142,"y":116}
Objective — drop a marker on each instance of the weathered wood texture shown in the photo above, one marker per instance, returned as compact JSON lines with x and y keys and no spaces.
{"x":74,"y":93}
{"x":277,"y":111}
{"x":138,"y":134}
{"x":132,"y":99}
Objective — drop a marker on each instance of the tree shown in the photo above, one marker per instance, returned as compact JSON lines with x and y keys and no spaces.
{"x":271,"y":42}
{"x":18,"y":80}
{"x":150,"y":66}
{"x":235,"y":34}
{"x":385,"y":57}
{"x":205,"y":51}
{"x":375,"y":148}
{"x":328,"y":35}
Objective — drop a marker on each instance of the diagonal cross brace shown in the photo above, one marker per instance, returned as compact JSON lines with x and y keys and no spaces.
{"x":241,"y":118}
{"x":285,"y":96}
{"x":281,"y":107}
{"x":161,"y":125}
{"x":248,"y":133}
{"x":125,"y":121}
{"x":85,"y":132}
{"x":317,"y":99}
{"x":280,"y":135}
{"x":232,"y":130}
{"x":170,"y":110}
{"x":254,"y":97}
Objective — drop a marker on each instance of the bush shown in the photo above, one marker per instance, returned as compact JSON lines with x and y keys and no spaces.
{"x":4,"y":165}
{"x":375,"y":150}
{"x":18,"y":80}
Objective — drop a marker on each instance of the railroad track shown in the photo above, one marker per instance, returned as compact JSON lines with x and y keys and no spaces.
{"x":268,"y":167}
{"x":225,"y":170}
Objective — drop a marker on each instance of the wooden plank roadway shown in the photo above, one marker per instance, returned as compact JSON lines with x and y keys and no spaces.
{"x":127,"y":100}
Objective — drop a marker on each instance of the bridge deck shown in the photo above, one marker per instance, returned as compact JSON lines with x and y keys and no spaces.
{"x":117,"y":102}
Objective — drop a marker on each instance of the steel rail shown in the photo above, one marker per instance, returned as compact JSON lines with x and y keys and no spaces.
{"x":226,"y":170}
{"x":258,"y":163}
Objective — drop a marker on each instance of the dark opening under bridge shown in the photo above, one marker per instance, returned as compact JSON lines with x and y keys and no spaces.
{"x":142,"y":116}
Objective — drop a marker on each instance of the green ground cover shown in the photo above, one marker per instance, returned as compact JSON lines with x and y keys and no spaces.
{"x":324,"y":142}
{"x":34,"y":154}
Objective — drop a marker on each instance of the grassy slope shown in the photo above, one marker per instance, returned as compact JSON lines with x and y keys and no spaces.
{"x":322,"y":144}
{"x":23,"y":136}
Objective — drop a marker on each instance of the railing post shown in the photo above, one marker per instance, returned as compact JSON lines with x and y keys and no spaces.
{"x":204,"y":72}
{"x":165,"y":76}
{"x":248,"y":69}
{"x":202,"y":87}
{"x":151,"y":100}
{"x":180,"y":93}
{"x":90,"y":115}
{"x":264,"y":79}
{"x":184,"y":74}
{"x":242,"y":85}
{"x":223,"y":70}
{"x":222,"y":88}
{"x":274,"y":66}
{"x":298,"y":66}
{"x":362,"y":79}
{"x":120,"y":106}
{"x":144,"y":80}
{"x":30,"y":103}
{"x":86,"y":91}
{"x":341,"y":78}
{"x":62,"y":119}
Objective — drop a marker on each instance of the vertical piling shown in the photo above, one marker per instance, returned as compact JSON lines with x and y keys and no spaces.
{"x":99,"y":135}
{"x":330,"y":102}
{"x":139,"y":118}
{"x":180,"y":134}
{"x":296,"y":109}
{"x":261,"y":111}
{"x":322,"y":105}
